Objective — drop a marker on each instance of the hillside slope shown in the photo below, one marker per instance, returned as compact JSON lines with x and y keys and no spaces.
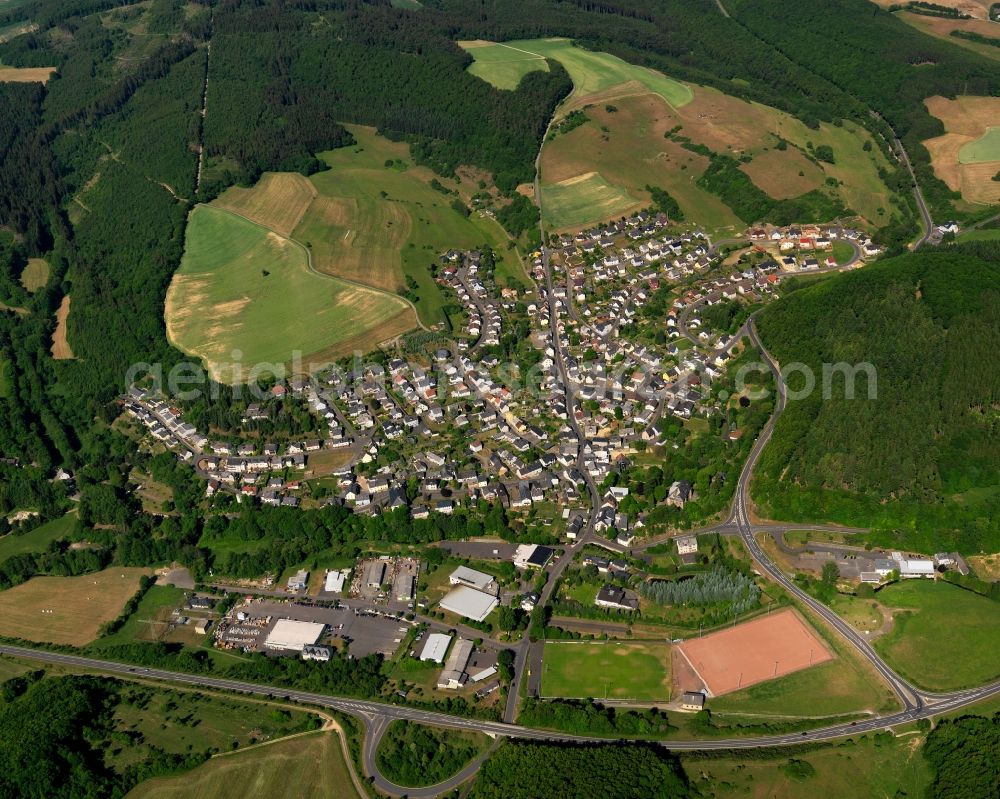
{"x":921,"y":459}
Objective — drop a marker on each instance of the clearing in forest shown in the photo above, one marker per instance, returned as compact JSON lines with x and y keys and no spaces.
{"x":242,"y":287}
{"x":502,"y":65}
{"x":35,"y":274}
{"x":61,"y":350}
{"x":25,"y":74}
{"x":591,"y":71}
{"x":967,"y":156}
{"x":66,"y":610}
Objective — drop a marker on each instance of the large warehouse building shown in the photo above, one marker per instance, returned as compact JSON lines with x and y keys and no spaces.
{"x":469,"y":602}
{"x":293,"y":636}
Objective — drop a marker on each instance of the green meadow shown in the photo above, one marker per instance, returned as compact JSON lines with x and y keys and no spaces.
{"x":590,"y":71}
{"x":943,"y":637}
{"x":985,"y":148}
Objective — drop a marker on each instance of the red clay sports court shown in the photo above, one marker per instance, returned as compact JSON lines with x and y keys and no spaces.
{"x":755,"y":651}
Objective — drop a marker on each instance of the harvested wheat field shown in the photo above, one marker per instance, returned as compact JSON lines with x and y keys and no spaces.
{"x":278,"y":200}
{"x":60,"y":344}
{"x":942,"y":28}
{"x":66,"y":610}
{"x":967,"y":156}
{"x":26,"y":74}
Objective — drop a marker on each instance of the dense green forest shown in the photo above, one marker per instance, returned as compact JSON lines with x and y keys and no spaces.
{"x":965,"y":756}
{"x":529,"y":770}
{"x":920,"y":461}
{"x":57,"y":735}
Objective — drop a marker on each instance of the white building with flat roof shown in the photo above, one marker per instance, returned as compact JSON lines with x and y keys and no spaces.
{"x":335,"y":581}
{"x":470,"y":603}
{"x":463,"y":575}
{"x":293,"y":636}
{"x":435,"y":647}
{"x":916,"y":568}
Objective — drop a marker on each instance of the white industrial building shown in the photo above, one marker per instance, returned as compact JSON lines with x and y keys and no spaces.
{"x":335,"y":581}
{"x":469,"y":602}
{"x":463,"y":575}
{"x":294,"y":636}
{"x":435,"y":647}
{"x":298,"y":581}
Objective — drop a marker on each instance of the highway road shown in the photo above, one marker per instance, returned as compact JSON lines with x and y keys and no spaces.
{"x":378,"y":715}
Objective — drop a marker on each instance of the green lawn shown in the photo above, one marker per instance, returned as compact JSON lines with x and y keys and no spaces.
{"x":38,"y":539}
{"x":501,"y":65}
{"x":591,"y":72}
{"x":842,"y":252}
{"x":242,"y":287}
{"x":638,"y":670}
{"x":985,"y":148}
{"x":947,"y":639}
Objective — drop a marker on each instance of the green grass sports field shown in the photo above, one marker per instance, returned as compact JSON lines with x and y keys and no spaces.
{"x":943,"y":638}
{"x":243,"y":287}
{"x":638,"y":670}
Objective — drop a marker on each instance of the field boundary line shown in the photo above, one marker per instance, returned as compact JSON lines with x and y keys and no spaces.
{"x":313,"y":269}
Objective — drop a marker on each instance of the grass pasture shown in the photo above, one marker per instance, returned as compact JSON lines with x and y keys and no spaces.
{"x":595,"y":72}
{"x":243,"y":287}
{"x":635,"y":670}
{"x":38,"y":539}
{"x":150,"y":618}
{"x":502,"y":65}
{"x":629,"y":150}
{"x":66,"y":610}
{"x":939,"y":618}
{"x":35,"y":274}
{"x":852,"y":768}
{"x":624,"y":142}
{"x":379,"y":225}
{"x":313,"y":763}
{"x":967,"y":155}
